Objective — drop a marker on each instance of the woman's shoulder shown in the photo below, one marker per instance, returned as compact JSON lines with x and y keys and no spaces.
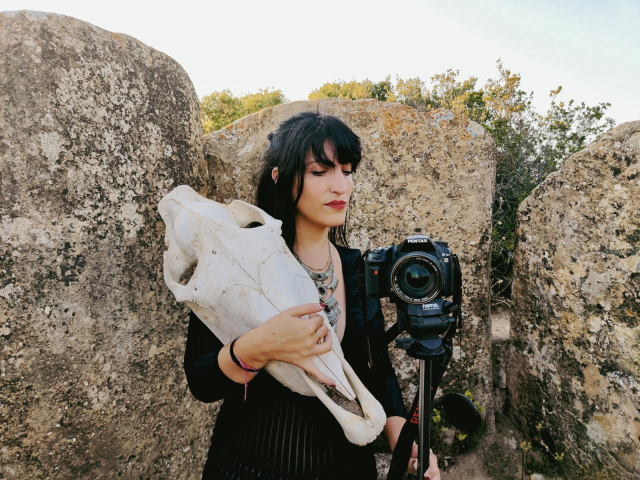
{"x":346,"y":250}
{"x":346,"y":253}
{"x":350,"y":260}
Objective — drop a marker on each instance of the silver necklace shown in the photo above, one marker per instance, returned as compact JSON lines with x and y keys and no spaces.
{"x":332,"y":309}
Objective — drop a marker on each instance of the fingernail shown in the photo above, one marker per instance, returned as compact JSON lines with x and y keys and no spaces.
{"x":323,"y":304}
{"x":415,"y":464}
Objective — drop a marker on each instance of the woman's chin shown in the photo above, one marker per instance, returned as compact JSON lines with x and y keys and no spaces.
{"x":337,"y":223}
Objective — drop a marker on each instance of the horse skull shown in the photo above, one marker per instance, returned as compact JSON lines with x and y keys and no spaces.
{"x":242,"y":278}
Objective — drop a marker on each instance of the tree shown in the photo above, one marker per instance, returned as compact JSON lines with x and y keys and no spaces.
{"x":354,"y":90}
{"x":568,"y":128}
{"x":460,"y":97}
{"x":412,"y":92}
{"x":220,"y":109}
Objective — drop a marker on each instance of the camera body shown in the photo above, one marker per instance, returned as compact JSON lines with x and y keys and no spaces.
{"x":416,"y":271}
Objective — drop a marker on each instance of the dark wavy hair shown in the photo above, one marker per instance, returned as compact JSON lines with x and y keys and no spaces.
{"x":287,"y":150}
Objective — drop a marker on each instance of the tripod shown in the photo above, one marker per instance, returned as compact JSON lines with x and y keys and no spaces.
{"x":433,"y":354}
{"x":425,"y":322}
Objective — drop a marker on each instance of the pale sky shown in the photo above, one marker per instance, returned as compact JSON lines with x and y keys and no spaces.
{"x":591,"y":48}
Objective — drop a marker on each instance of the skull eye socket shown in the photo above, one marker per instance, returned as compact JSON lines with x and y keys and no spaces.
{"x":253,"y":225}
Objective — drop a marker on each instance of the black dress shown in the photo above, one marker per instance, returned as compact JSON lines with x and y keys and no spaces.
{"x":280,"y":434}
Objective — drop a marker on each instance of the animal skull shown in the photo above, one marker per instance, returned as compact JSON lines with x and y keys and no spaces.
{"x":245,"y":276}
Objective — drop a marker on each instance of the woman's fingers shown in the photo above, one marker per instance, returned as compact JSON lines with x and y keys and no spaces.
{"x":432,"y":473}
{"x":313,"y":370}
{"x":325,"y":346}
{"x":413,"y":461}
{"x":306,"y":309}
{"x":307,"y":336}
{"x":413,"y":466}
{"x":316,"y":321}
{"x":322,"y":331}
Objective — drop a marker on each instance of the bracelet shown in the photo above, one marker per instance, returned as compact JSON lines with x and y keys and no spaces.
{"x":239,"y":362}
{"x":243,"y":366}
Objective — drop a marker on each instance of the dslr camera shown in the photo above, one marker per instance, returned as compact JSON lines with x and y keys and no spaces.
{"x":416,"y":271}
{"x":416,"y":275}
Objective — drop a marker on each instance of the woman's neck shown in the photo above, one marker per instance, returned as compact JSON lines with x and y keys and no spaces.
{"x":311,"y":243}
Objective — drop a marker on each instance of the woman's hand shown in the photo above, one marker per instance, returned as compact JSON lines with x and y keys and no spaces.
{"x":432,"y":473}
{"x":288,"y":338}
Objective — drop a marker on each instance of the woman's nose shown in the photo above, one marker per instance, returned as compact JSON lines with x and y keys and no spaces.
{"x":339,"y":181}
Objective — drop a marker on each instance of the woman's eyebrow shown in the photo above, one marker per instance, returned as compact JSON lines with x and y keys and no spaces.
{"x":316,"y":162}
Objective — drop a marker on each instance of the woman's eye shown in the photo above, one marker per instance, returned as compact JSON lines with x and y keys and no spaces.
{"x":319,"y":173}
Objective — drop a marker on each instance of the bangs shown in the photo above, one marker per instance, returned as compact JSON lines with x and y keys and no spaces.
{"x":345,"y":142}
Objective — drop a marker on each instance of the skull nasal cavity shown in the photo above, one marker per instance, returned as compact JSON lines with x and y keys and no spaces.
{"x":186,"y":276}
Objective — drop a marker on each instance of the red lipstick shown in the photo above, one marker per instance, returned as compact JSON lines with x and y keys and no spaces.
{"x":337,"y":204}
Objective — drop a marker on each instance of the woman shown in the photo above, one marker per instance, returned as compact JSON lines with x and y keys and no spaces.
{"x":306,"y":181}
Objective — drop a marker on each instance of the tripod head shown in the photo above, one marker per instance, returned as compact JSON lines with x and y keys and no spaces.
{"x":425,"y":323}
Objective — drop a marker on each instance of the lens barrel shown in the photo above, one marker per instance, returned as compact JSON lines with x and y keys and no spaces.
{"x":416,"y":278}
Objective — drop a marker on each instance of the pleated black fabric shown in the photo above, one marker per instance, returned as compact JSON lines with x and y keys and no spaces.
{"x":281,"y":435}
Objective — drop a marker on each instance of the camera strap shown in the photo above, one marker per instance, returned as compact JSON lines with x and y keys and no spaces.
{"x":364,"y":300}
{"x":457,"y":297}
{"x":362,"y":284}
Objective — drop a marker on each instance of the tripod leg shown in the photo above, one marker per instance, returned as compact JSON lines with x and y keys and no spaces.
{"x":424,"y":441}
{"x":421,"y":403}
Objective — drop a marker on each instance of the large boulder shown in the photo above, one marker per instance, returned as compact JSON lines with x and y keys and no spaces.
{"x":432,"y":174}
{"x":575,"y":361}
{"x":95,"y":128}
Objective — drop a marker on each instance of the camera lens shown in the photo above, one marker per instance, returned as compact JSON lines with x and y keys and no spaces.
{"x":416,"y":278}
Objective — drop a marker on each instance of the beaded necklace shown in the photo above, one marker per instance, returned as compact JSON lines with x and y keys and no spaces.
{"x":332,"y":309}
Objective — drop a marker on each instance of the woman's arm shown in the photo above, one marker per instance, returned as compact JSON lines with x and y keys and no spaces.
{"x":286,"y":337}
{"x":392,"y":398}
{"x":387,"y":390}
{"x":392,"y":430}
{"x":209,"y":375}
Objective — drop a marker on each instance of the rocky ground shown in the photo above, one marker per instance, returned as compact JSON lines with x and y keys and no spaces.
{"x":499,"y":456}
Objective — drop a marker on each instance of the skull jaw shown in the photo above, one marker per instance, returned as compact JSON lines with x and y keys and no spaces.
{"x":358,"y":430}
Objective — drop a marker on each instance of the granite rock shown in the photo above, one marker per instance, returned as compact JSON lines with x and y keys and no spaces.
{"x":95,"y":128}
{"x":427,"y":173}
{"x":575,"y":360}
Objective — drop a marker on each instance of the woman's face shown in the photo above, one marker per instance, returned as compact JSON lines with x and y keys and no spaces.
{"x":326,"y":191}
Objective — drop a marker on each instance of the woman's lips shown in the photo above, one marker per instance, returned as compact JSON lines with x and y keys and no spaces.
{"x":336,"y":205}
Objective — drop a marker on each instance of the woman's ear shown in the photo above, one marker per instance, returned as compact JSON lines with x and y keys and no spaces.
{"x":274,"y":174}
